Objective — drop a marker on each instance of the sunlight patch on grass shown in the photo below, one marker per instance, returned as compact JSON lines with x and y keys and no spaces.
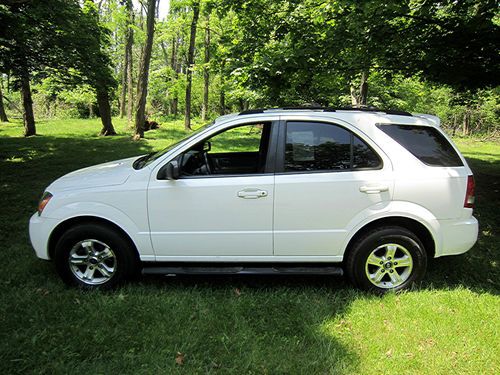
{"x":431,"y":331}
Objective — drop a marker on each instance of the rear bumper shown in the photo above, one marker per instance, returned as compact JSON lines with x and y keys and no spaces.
{"x":40,"y":229}
{"x":458,"y":236}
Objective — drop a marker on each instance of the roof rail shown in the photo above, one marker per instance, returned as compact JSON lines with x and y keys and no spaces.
{"x":327,"y":109}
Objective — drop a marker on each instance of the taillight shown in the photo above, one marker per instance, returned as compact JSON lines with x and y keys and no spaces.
{"x":470,"y":196}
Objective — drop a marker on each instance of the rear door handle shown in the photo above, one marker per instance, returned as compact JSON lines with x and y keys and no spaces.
{"x":252,"y":193}
{"x":373,"y":189}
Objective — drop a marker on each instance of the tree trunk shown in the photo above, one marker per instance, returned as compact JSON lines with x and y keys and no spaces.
{"x":222,"y":94}
{"x":28,"y":116}
{"x":359,"y":97}
{"x":105,"y":111}
{"x":3,"y":115}
{"x":206,"y":74}
{"x":142,"y":92}
{"x":123,"y":94}
{"x":466,"y":122}
{"x":189,"y":72}
{"x":363,"y":88}
{"x":128,"y":52}
{"x":174,"y":103}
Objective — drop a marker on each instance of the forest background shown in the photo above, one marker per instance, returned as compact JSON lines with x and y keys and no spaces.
{"x":186,"y":59}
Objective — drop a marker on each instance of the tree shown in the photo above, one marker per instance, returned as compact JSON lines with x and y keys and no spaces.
{"x":3,"y":115}
{"x":127,"y":79}
{"x":206,"y":73}
{"x":190,"y":65}
{"x":57,"y":37}
{"x":142,"y":91}
{"x":299,"y":51}
{"x":174,"y":103}
{"x":94,"y":63}
{"x":21,"y":53}
{"x":130,"y":70}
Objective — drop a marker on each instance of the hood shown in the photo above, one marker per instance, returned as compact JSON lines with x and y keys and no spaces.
{"x":106,"y":174}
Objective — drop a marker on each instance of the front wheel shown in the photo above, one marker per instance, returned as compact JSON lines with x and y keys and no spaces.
{"x":94,"y":256}
{"x":386,"y":259}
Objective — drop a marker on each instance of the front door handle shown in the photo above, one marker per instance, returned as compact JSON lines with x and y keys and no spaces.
{"x":373,"y":189}
{"x":252,"y":193}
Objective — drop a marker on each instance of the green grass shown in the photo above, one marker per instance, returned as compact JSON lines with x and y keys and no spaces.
{"x":232,"y":325}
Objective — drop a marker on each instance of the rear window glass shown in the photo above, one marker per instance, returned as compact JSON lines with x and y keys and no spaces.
{"x":424,"y":142}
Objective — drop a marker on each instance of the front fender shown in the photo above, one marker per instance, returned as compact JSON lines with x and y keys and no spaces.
{"x":140,"y":236}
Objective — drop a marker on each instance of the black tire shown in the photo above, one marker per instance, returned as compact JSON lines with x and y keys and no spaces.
{"x":406,"y":244}
{"x":124,"y":260}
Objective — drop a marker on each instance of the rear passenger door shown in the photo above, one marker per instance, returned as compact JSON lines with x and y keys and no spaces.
{"x":326,"y":176}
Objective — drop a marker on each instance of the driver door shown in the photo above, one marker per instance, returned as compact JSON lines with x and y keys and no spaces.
{"x":223,"y":209}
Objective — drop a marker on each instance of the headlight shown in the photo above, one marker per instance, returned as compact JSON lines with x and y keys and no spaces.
{"x":43,"y":202}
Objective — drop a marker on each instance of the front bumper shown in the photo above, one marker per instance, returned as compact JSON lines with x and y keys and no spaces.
{"x":40,"y":228}
{"x":458,"y":236}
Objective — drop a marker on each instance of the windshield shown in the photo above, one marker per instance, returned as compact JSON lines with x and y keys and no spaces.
{"x":149,"y":158}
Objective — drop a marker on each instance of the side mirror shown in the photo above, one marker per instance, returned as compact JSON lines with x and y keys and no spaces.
{"x":170,"y":171}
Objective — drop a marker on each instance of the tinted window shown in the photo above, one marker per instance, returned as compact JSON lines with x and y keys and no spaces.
{"x":424,"y":142}
{"x":363,"y":155}
{"x":319,"y":146}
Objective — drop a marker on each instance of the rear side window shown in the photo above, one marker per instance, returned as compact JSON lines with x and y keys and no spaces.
{"x":425,"y":143}
{"x":315,"y":146}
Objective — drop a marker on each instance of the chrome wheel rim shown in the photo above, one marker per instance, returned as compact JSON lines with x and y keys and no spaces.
{"x":92,"y":262}
{"x":389,"y":266}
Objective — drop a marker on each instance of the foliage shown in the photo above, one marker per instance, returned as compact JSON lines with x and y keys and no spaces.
{"x":421,"y":56}
{"x":55,"y":37}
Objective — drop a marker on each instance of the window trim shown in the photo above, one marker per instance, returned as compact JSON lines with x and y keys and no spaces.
{"x":269,"y":168}
{"x":280,"y":157}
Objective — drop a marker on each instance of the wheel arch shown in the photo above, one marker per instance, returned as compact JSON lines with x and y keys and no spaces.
{"x":420,"y":230}
{"x":62,"y":227}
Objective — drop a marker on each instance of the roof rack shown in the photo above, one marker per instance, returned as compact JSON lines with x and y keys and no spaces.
{"x":327,"y":109}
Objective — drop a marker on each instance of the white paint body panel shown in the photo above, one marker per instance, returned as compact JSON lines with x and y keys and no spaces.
{"x":205,"y":217}
{"x":308,"y":217}
{"x":312,"y":211}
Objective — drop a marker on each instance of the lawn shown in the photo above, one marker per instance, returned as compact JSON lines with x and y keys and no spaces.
{"x":233,"y":325}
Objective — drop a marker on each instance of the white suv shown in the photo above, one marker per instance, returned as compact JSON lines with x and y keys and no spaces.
{"x":370,"y":193}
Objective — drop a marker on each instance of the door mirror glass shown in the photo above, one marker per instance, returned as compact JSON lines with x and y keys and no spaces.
{"x":170,"y":171}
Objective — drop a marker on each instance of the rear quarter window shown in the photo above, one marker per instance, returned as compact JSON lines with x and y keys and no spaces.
{"x":425,"y":142}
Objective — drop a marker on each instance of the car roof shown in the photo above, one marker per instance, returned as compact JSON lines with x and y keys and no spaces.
{"x":355,"y":116}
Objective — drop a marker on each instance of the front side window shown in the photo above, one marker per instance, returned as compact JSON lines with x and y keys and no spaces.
{"x":315,"y":146}
{"x":149,"y":158}
{"x":237,"y":151}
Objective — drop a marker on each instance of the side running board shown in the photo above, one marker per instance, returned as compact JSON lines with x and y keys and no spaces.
{"x":253,"y":270}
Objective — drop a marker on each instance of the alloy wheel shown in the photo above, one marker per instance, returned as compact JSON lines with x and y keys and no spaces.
{"x":389,"y":266}
{"x":92,"y":262}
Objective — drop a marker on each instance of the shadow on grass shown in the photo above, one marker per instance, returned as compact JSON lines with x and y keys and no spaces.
{"x":275,"y":327}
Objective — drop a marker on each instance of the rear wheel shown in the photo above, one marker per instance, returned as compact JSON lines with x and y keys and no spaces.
{"x":386,"y":259}
{"x":94,"y":256}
